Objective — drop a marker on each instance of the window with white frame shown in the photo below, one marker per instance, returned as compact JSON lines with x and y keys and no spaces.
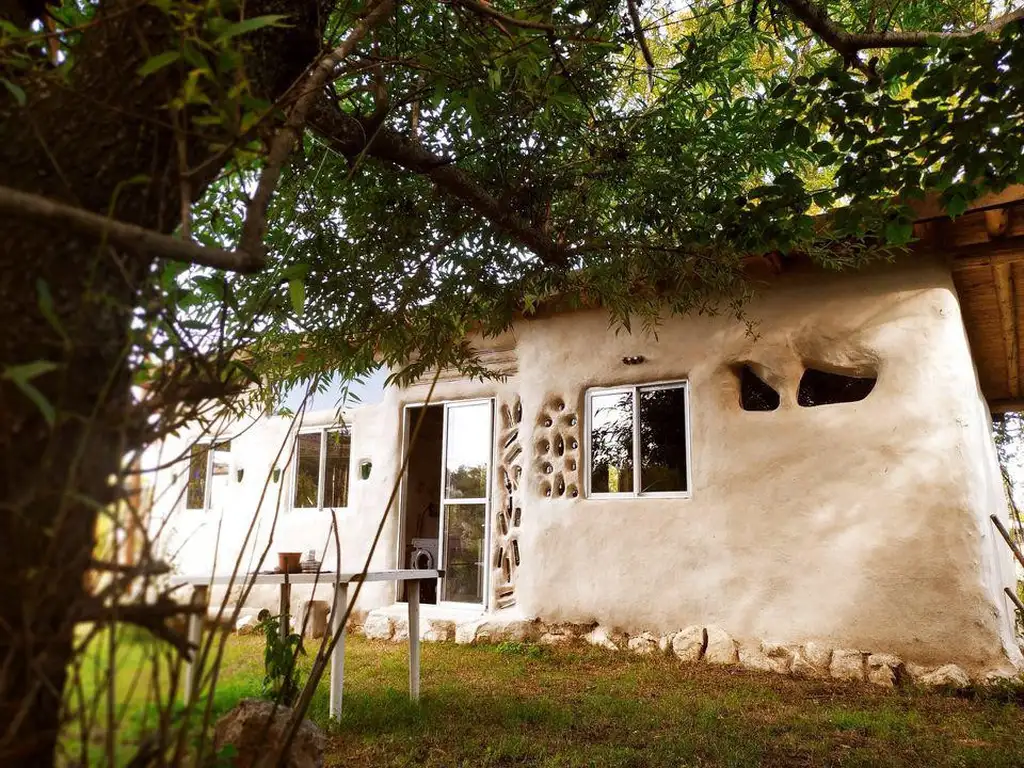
{"x":209,"y":467}
{"x":637,"y":441}
{"x":321,"y":461}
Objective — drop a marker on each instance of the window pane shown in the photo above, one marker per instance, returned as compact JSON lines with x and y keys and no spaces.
{"x":195,"y":498}
{"x":220,"y":476}
{"x":336,"y":468}
{"x":468,"y":451}
{"x":663,"y":440}
{"x":463,"y":552}
{"x":611,"y":442}
{"x":307,"y":469}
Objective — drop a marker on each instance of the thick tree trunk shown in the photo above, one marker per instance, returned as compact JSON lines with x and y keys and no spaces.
{"x":85,"y":140}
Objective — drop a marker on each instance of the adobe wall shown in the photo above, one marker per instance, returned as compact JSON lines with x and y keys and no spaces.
{"x":862,"y":524}
{"x":858,"y":525}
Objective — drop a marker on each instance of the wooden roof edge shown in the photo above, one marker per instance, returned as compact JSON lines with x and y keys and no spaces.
{"x":931,"y":206}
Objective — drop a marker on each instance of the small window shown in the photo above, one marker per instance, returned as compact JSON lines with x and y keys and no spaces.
{"x":825,"y":388}
{"x":321,"y":469}
{"x":755,"y":393}
{"x":638,"y":443}
{"x":208,"y":474}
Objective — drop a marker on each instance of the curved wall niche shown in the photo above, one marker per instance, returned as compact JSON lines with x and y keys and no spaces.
{"x":755,"y":393}
{"x":819,"y":387}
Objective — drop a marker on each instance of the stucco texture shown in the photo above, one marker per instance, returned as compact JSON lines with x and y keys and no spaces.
{"x":862,"y":524}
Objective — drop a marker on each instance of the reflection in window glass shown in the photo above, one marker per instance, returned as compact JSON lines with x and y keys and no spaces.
{"x":468,"y":451}
{"x":336,"y":468}
{"x":307,"y":470}
{"x":662,"y":439}
{"x":463,"y":552}
{"x":611,"y":442}
{"x":220,"y":473}
{"x":199,"y":457}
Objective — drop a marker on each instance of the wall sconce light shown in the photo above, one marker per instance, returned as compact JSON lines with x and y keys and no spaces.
{"x":277,"y":474}
{"x":633,"y":359}
{"x":364,"y":469}
{"x":240,"y":473}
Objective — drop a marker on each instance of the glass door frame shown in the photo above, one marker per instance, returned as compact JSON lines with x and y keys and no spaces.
{"x":407,"y":429}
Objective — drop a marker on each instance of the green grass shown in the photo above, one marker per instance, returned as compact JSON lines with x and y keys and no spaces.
{"x":520,"y":705}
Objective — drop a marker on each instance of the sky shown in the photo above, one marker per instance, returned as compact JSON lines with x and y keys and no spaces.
{"x":368,"y":392}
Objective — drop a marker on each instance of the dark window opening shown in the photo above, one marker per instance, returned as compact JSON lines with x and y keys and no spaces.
{"x":824,"y":388}
{"x":755,"y":393}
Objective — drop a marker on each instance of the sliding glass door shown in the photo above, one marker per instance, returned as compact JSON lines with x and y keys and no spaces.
{"x":468,"y":445}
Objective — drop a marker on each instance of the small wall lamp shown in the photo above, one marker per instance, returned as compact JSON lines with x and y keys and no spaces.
{"x":240,"y":473}
{"x":633,"y":359}
{"x":277,"y":474}
{"x":364,"y":469}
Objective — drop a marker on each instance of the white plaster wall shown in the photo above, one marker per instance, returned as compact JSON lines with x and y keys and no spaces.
{"x":862,"y":524}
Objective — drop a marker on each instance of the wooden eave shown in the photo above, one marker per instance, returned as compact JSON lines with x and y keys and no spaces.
{"x":985,"y":248}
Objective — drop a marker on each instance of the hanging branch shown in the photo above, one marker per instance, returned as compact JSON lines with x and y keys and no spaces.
{"x":290,"y":133}
{"x":638,"y":34}
{"x":816,"y":18}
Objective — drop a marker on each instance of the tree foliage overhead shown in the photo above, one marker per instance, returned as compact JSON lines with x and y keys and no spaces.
{"x":330,"y":185}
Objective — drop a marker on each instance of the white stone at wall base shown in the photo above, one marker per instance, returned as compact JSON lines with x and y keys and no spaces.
{"x":688,"y":644}
{"x":847,"y":664}
{"x":884,"y":669}
{"x":246,"y":625}
{"x":753,"y":658}
{"x":948,"y":675}
{"x":602,"y":638}
{"x":719,"y":648}
{"x":437,"y":630}
{"x":643,"y":643}
{"x":780,"y":656}
{"x":378,"y":626}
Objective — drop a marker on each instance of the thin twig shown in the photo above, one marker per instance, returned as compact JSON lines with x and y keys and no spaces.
{"x":290,"y":133}
{"x":638,"y":33}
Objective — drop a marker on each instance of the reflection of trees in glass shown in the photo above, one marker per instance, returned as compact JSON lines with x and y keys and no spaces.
{"x":611,"y":443}
{"x":662,"y":448}
{"x":336,"y":468}
{"x":198,"y":460}
{"x":464,"y":539}
{"x":663,"y":439}
{"x":467,"y":482}
{"x":307,"y":470}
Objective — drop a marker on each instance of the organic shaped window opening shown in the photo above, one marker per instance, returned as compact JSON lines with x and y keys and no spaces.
{"x":755,"y":393}
{"x":824,"y":388}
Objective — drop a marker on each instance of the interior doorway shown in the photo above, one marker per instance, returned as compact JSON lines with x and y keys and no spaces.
{"x":445,"y":510}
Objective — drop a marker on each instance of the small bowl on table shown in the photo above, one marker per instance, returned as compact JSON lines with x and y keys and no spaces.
{"x":289,"y":562}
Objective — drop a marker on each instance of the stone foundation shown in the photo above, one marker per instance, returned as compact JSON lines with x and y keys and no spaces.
{"x":696,"y":644}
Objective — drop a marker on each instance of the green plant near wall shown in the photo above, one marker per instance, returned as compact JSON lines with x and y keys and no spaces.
{"x":281,"y":680}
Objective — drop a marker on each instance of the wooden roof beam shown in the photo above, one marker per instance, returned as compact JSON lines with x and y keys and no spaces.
{"x":1006,"y":297}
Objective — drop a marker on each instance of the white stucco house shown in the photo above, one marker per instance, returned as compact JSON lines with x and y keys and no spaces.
{"x":827,"y":482}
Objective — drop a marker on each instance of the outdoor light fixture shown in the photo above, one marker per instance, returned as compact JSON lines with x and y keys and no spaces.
{"x":277,"y":474}
{"x":364,"y":469}
{"x":633,"y":359}
{"x":239,"y":473}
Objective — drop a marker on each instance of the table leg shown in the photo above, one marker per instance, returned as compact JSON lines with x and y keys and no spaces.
{"x":193,"y":671}
{"x":285,"y":607}
{"x":413,"y":599}
{"x":338,"y":656}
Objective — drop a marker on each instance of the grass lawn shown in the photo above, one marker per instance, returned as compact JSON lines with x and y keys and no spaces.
{"x":516,"y":705}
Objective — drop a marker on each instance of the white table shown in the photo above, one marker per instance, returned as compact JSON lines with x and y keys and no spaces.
{"x":339,"y":582}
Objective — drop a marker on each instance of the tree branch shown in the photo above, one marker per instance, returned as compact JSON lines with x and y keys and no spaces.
{"x":290,"y":133}
{"x":150,"y":616}
{"x":128,"y":236}
{"x":486,"y":10}
{"x":816,"y":18}
{"x":638,"y":33}
{"x":350,"y":137}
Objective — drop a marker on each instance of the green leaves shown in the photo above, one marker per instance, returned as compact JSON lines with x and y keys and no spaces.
{"x":15,"y":90}
{"x":22,"y":375}
{"x":246,"y":26}
{"x":156,"y":63}
{"x":297,"y":294}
